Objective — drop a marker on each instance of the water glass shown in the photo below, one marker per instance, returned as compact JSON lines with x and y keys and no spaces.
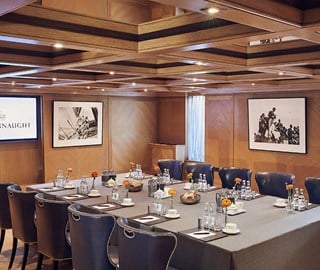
{"x":219,"y":221}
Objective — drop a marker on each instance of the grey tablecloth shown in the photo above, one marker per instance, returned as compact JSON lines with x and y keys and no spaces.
{"x":269,"y":238}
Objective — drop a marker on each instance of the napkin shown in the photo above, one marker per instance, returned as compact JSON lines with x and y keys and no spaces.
{"x":201,"y":234}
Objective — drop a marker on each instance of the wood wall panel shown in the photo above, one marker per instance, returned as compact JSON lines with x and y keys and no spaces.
{"x":171,"y":118}
{"x":219,"y":130}
{"x":21,"y":162}
{"x":82,"y":159}
{"x":133,"y":125}
{"x":131,"y":11}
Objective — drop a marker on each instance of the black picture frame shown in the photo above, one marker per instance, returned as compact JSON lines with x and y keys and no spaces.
{"x":278,"y":124}
{"x":77,"y":123}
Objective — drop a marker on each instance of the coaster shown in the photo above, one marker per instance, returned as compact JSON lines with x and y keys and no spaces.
{"x":146,"y":219}
{"x":203,"y":235}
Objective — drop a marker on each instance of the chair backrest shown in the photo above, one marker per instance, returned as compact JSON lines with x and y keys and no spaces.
{"x":228,"y":174}
{"x":5,"y":218}
{"x":51,"y":221}
{"x":90,"y":234}
{"x":199,"y":167}
{"x":174,"y":166}
{"x":22,"y":210}
{"x":312,"y":185}
{"x":143,"y":250}
{"x":274,"y":183}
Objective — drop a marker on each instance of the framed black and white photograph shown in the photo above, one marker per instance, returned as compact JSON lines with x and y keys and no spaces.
{"x":77,"y":123}
{"x":277,"y":124}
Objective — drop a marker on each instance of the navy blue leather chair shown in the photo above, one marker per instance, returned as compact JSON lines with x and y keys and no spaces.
{"x":199,"y":167}
{"x":5,"y":218}
{"x":312,"y":185}
{"x":51,"y":221}
{"x":144,"y":249}
{"x":174,"y":166}
{"x":228,"y":174}
{"x":22,"y":210}
{"x":90,"y":233}
{"x":274,"y":183}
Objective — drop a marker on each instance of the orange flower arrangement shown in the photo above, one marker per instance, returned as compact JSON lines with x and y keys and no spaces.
{"x":172,"y":192}
{"x":126,"y":183}
{"x":156,"y":169}
{"x":132,"y":164}
{"x":289,"y":188}
{"x":225,"y":202}
{"x":237,"y":181}
{"x":94,"y":174}
{"x":69,"y":170}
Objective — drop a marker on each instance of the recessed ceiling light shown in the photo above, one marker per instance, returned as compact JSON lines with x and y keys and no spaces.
{"x":133,"y":83}
{"x":54,"y":79}
{"x":58,"y":45}
{"x":102,"y":89}
{"x":199,"y":63}
{"x":281,"y":73}
{"x":145,"y":90}
{"x":88,"y":87}
{"x":13,"y":83}
{"x":253,"y":84}
{"x":194,"y":79}
{"x":213,"y":10}
{"x":111,"y":72}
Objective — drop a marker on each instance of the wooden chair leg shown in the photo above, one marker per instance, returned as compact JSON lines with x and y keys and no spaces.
{"x":13,"y":252}
{"x":40,"y":259}
{"x":3,"y":233}
{"x":25,"y":256}
{"x":55,"y":265}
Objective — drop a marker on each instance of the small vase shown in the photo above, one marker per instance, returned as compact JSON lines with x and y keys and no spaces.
{"x":225,"y":216}
{"x":171,"y":202}
{"x":289,"y":206}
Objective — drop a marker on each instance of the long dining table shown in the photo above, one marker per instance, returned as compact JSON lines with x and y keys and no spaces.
{"x":269,"y":237}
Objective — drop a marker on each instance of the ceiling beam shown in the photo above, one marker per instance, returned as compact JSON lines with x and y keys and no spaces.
{"x":8,"y":6}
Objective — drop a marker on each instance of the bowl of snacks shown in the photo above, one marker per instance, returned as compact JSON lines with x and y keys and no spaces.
{"x":135,"y":186}
{"x":190,"y":197}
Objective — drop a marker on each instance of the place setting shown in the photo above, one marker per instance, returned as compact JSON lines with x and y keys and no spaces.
{"x":105,"y":206}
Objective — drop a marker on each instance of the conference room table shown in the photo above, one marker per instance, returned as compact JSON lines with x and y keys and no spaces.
{"x":269,"y":237}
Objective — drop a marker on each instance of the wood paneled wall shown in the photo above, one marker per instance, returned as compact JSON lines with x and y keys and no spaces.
{"x":171,"y":119}
{"x":133,"y":125}
{"x":227,"y":138}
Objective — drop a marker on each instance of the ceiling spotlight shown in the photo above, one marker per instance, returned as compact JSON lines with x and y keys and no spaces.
{"x":281,"y":73}
{"x":57,"y":45}
{"x":102,"y":89}
{"x":54,"y":79}
{"x":212,"y":10}
{"x":13,"y":83}
{"x":253,"y":84}
{"x":194,"y":79}
{"x":88,"y":87}
{"x":111,"y":72}
{"x":145,"y":90}
{"x":133,"y":83}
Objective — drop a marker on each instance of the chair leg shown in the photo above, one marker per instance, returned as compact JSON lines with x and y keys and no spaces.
{"x":55,"y":265}
{"x":13,"y":252}
{"x":25,"y":256}
{"x":40,"y":259}
{"x":3,"y":233}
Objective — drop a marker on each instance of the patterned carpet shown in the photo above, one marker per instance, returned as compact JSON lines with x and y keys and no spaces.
{"x":32,"y":257}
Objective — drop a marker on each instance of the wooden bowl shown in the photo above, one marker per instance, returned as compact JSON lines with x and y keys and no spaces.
{"x":196,"y":199}
{"x":133,"y":188}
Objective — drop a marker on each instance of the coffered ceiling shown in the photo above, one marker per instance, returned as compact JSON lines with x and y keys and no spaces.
{"x":248,"y":46}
